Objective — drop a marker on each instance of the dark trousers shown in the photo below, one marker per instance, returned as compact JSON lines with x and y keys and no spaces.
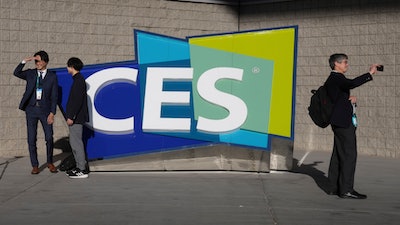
{"x":33,"y":115}
{"x":342,"y":166}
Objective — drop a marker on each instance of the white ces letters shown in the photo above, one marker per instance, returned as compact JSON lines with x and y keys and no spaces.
{"x":155,"y":97}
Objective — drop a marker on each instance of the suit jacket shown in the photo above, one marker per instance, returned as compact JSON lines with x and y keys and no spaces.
{"x":49,"y":86}
{"x":338,"y":87}
{"x":77,"y":107}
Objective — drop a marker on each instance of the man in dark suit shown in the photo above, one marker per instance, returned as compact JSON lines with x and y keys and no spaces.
{"x":39,"y":103}
{"x":344,"y":156}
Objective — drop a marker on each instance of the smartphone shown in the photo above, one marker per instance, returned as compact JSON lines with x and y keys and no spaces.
{"x":379,"y":68}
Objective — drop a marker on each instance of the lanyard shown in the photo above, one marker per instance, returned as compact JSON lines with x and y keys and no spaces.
{"x":38,"y":78}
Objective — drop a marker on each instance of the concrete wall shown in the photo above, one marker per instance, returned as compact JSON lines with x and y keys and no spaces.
{"x":102,"y":31}
{"x":96,"y":31}
{"x":369,"y":32}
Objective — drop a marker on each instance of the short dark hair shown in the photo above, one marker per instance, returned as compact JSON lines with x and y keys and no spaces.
{"x":75,"y":63}
{"x":338,"y":57}
{"x":43,"y":55}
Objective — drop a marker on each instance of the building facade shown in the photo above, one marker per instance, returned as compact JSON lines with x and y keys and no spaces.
{"x":102,"y":31}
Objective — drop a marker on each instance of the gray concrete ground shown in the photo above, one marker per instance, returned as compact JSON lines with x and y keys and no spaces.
{"x":183,"y":198}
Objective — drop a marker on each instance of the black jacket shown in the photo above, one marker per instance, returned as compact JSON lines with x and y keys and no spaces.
{"x":77,"y":108}
{"x":339,"y":91}
{"x":49,"y":85}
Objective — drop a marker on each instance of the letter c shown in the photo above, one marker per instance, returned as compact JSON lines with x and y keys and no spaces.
{"x":96,"y":82}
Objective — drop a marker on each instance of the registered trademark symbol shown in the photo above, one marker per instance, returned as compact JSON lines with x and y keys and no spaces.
{"x":256,"y":69}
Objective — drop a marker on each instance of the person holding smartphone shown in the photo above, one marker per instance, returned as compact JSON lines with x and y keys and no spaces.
{"x":343,"y":122}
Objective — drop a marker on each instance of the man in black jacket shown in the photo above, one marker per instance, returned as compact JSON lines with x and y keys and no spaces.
{"x":39,"y":103}
{"x":344,"y":156}
{"x":77,"y":115}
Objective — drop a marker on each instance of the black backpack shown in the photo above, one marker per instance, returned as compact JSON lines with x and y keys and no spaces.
{"x":321,"y":107}
{"x":68,"y":163}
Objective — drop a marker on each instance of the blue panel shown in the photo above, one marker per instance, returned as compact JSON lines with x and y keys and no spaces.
{"x":243,"y":137}
{"x":111,"y":101}
{"x":152,"y":48}
{"x":120,"y":100}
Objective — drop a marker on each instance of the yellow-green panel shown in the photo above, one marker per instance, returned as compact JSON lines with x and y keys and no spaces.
{"x":276,"y":45}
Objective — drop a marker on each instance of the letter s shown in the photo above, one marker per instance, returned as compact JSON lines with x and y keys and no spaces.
{"x":237,"y":107}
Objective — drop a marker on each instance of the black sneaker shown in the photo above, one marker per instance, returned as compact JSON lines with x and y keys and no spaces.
{"x":68,"y":172}
{"x":77,"y":173}
{"x":72,"y":171}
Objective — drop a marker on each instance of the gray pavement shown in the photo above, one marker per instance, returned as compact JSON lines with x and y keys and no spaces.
{"x":183,"y":198}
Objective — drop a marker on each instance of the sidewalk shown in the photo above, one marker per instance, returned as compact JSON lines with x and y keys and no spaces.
{"x":182,"y":198}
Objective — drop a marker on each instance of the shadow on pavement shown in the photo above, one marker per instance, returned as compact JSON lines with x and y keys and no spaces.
{"x":310,"y":169}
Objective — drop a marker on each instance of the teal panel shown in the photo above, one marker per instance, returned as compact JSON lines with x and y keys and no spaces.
{"x":243,"y":137}
{"x":155,"y":48}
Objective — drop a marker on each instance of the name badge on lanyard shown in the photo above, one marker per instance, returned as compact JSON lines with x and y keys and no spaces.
{"x":39,"y":92}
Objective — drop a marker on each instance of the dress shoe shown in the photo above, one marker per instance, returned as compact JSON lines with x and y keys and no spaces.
{"x":353,"y":195}
{"x":35,"y":170}
{"x":52,"y":168}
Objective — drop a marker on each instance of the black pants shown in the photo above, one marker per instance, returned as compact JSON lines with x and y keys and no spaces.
{"x":342,"y":166}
